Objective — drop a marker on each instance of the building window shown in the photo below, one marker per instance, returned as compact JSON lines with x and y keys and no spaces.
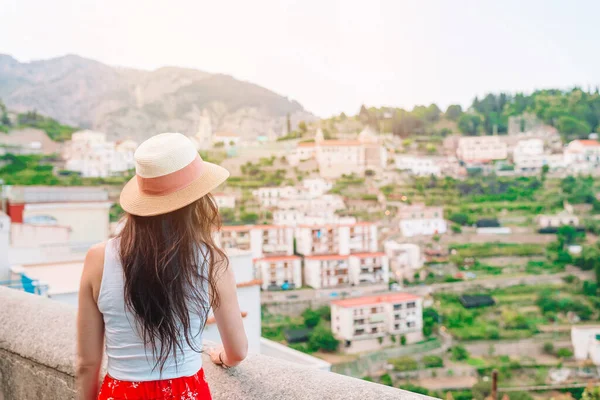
{"x":411,"y":305}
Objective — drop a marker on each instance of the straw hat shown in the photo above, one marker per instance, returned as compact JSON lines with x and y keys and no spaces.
{"x":170,"y":174}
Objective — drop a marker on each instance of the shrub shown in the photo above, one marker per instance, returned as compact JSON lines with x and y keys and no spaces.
{"x":564,"y":352}
{"x":433,"y":361}
{"x":459,"y":353}
{"x":456,"y":228}
{"x":322,"y":338}
{"x":386,"y":379}
{"x":404,"y":364}
{"x":549,"y":348}
{"x":311,"y":317}
{"x":403,"y":340}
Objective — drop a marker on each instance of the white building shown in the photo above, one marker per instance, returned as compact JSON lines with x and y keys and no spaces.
{"x":557,"y":220}
{"x":331,"y":202}
{"x":418,"y":165}
{"x":279,"y":272}
{"x":316,"y":187}
{"x":84,"y":210}
{"x":481,"y":149}
{"x":417,"y":220}
{"x":342,"y":157}
{"x":224,"y":200}
{"x":405,"y":259}
{"x":260,"y":240}
{"x":90,"y":154}
{"x":271,"y":196}
{"x":334,"y":270}
{"x":529,"y":156}
{"x":586,"y":343}
{"x":248,"y":291}
{"x":293,"y":217}
{"x":360,"y":237}
{"x":583,"y":155}
{"x":368,"y":323}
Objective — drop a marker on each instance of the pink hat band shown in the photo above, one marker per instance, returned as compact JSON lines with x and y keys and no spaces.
{"x":169,"y":183}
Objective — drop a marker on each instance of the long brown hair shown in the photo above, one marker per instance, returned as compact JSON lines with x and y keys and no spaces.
{"x":169,"y":261}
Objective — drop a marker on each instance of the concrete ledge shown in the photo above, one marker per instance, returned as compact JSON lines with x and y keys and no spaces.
{"x":37,"y":355}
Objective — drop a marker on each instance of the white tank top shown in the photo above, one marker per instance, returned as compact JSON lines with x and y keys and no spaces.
{"x":128,"y":358}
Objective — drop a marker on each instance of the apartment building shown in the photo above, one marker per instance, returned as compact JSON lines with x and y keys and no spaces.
{"x":334,"y":270}
{"x":293,"y":217}
{"x":224,"y":200}
{"x":473,"y":149}
{"x":368,"y":323}
{"x":84,"y":210}
{"x":90,"y":154}
{"x":405,"y":259}
{"x":279,"y":272}
{"x":342,"y":239}
{"x":418,"y":219}
{"x":271,"y":196}
{"x":529,"y":156}
{"x":583,"y":155}
{"x":261,"y":240}
{"x":338,"y":157}
{"x":368,"y":268}
{"x":326,"y":271}
{"x":420,"y":166}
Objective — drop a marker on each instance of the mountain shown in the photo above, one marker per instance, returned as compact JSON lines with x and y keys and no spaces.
{"x":130,"y":103}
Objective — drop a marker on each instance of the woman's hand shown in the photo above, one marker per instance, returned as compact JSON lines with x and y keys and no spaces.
{"x":214,"y":355}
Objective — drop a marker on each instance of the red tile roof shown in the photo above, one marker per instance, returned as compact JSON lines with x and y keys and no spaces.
{"x":368,"y":300}
{"x":325,"y":257}
{"x":306,"y":144}
{"x":277,"y":258}
{"x":589,"y":142}
{"x":365,"y":255}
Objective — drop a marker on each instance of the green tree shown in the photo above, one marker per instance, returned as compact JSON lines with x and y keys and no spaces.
{"x":564,"y":352}
{"x":573,"y":126}
{"x":322,"y":338}
{"x":249,"y":217}
{"x":460,"y":218}
{"x":386,"y":379}
{"x":311,"y":317}
{"x":302,"y":127}
{"x":453,"y":112}
{"x":459,"y":353}
{"x":470,"y":124}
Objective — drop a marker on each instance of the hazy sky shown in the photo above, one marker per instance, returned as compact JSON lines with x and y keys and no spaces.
{"x":330,"y":55}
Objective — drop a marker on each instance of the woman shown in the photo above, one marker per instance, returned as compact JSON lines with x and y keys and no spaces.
{"x":145,"y":295}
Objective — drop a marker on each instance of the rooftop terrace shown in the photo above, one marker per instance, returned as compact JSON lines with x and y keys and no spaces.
{"x":37,"y":354}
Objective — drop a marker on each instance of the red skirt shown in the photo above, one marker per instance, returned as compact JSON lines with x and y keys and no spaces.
{"x":192,"y":387}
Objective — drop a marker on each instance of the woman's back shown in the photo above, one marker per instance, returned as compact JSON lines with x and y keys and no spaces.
{"x":128,"y":358}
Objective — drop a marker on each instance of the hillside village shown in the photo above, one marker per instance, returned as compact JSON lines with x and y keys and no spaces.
{"x":416,"y":249}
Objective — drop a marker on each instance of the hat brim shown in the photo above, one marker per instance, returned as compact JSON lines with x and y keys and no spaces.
{"x":135,"y":202}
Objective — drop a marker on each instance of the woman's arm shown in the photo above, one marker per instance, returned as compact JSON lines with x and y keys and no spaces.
{"x":90,"y":325}
{"x":229,"y":321}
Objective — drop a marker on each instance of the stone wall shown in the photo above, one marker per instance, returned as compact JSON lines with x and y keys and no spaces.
{"x":37,"y":355}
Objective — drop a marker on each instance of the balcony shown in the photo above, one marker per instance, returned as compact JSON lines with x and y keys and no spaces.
{"x":37,"y":354}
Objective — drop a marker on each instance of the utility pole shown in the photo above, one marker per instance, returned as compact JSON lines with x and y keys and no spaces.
{"x":494,"y":394}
